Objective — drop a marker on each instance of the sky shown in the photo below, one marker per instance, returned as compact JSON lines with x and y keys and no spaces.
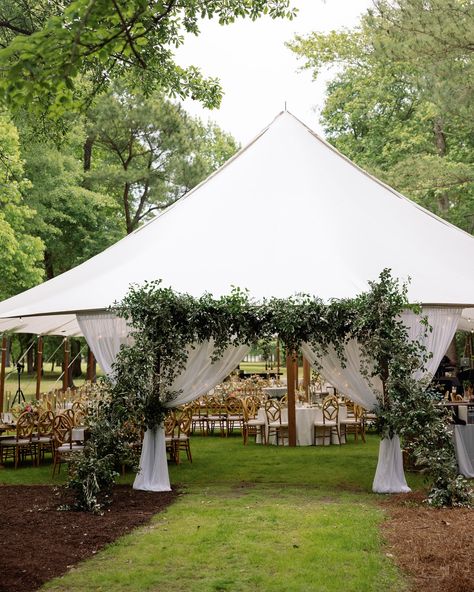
{"x":257,"y":72}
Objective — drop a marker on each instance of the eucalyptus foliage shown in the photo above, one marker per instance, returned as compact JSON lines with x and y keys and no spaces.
{"x":165,"y":324}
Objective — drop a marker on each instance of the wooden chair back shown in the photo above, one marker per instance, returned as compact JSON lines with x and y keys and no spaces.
{"x":170,"y":423}
{"x":273,"y":410}
{"x":24,"y":426}
{"x":330,"y":408}
{"x":45,"y":424}
{"x":62,"y":426}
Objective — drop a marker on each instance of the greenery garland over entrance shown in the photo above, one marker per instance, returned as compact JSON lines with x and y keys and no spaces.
{"x":165,"y":322}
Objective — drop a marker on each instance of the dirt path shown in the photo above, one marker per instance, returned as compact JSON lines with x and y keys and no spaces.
{"x":38,"y":543}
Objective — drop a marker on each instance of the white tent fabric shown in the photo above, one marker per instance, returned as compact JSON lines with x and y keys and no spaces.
{"x":444,"y":322}
{"x":105,"y":333}
{"x":64,"y":325}
{"x":348,"y":380}
{"x":287,"y":183}
{"x":199,"y":377}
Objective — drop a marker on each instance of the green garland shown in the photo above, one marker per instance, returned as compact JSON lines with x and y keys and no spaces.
{"x":165,"y":323}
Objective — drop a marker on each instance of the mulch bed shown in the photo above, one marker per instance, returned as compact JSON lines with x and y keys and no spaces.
{"x":38,"y":542}
{"x":435,"y":547}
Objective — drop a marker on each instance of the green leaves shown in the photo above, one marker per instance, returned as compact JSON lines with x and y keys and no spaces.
{"x":400,"y":102}
{"x":101,"y":41}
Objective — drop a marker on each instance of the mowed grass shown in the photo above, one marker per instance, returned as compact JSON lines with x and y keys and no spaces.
{"x":251,"y":518}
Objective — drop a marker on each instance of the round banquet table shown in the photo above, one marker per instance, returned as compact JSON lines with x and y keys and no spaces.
{"x":275,"y":392}
{"x":305,"y":418}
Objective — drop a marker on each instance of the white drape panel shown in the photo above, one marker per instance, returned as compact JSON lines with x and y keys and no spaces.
{"x":199,"y":376}
{"x":348,"y":381}
{"x":104,"y":333}
{"x":444,"y":322}
{"x":389,"y":475}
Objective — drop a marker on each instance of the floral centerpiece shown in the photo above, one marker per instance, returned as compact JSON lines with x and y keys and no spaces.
{"x":32,"y":407}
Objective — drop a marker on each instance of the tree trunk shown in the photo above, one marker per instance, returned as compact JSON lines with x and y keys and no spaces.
{"x":87,"y":154}
{"x":126,"y":207}
{"x":48,"y":265}
{"x":8,"y":352}
{"x":88,"y":144}
{"x":30,"y":360}
{"x":76,"y":369}
{"x":441,"y":148}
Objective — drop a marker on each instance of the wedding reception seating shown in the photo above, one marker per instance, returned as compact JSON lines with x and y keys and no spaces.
{"x":43,"y":439}
{"x":63,"y":445}
{"x":177,"y":425}
{"x":354,"y":422}
{"x":330,"y":420}
{"x":276,"y":426}
{"x":21,"y":444}
{"x":252,"y":425}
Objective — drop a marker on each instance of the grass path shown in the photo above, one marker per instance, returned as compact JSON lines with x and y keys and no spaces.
{"x":254,"y":518}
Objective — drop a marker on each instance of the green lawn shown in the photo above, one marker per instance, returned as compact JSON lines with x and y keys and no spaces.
{"x":266,"y":518}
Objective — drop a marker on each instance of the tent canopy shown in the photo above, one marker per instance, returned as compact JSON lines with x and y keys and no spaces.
{"x":288,"y":213}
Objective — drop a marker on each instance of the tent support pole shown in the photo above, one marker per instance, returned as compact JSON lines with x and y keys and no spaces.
{"x":90,"y":366}
{"x":2,"y":371}
{"x":278,"y":358}
{"x":39,"y":366}
{"x":306,"y":377}
{"x":296,"y":372}
{"x":66,"y":365}
{"x":290,"y":380}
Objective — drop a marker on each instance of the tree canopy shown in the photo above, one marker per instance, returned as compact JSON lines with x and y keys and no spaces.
{"x":59,"y":55}
{"x":391,"y":105}
{"x":147,"y":152}
{"x":21,"y":250}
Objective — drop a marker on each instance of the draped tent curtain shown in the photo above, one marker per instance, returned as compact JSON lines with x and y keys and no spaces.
{"x":106,"y":333}
{"x":444,"y":322}
{"x":200,"y":376}
{"x":348,"y":381}
{"x":389,"y":475}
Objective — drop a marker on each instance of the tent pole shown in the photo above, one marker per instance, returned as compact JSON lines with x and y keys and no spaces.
{"x":306,"y":377}
{"x":278,"y":358}
{"x":296,"y":372}
{"x":90,"y":365}
{"x":39,"y":366}
{"x":66,"y":364}
{"x":2,"y":371}
{"x":290,"y":380}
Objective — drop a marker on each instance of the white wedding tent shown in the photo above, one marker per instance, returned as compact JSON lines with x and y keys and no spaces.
{"x":288,"y":213}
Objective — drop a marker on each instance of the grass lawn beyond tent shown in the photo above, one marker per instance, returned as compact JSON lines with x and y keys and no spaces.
{"x":251,"y":518}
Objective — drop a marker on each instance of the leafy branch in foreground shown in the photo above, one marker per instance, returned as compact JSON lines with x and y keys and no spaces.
{"x":45,"y":60}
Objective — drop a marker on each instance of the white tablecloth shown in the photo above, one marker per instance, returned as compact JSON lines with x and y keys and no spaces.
{"x":305,"y":418}
{"x":464,"y":444}
{"x":275,"y":391}
{"x":77,"y":434}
